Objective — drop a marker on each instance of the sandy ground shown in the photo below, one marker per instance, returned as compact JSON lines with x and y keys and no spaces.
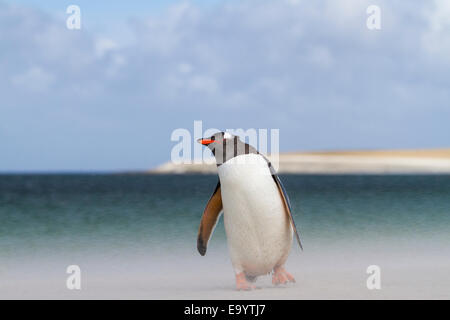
{"x":330,"y":275}
{"x":419,"y":153}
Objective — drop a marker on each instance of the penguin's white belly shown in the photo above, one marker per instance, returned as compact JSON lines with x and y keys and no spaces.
{"x":258,"y":230}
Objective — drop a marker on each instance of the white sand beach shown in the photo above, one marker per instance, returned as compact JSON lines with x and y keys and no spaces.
{"x":334,"y":273}
{"x":342,"y":162}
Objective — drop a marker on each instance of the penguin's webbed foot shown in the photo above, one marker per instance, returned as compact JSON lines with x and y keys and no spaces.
{"x":242,"y":283}
{"x":281,"y":276}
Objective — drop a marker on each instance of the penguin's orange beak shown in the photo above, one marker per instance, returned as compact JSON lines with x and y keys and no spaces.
{"x":205,"y":141}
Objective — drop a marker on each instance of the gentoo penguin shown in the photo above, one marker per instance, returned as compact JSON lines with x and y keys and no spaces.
{"x":257,"y":212}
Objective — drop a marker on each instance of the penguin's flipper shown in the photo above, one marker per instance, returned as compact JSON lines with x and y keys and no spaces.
{"x":209,"y":220}
{"x":286,"y":201}
{"x":287,"y":204}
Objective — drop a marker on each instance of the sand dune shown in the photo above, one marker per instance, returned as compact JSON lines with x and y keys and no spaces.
{"x":343,"y":162}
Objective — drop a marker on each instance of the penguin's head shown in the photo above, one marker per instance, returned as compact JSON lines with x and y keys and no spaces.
{"x":226,"y":146}
{"x":217,"y":139}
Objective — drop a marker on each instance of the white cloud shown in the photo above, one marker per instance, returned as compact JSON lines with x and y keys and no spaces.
{"x":440,"y":16}
{"x":203,"y":83}
{"x":35,"y":79}
{"x":185,"y":67}
{"x":436,"y":39}
{"x":320,"y":56}
{"x":104,"y":45}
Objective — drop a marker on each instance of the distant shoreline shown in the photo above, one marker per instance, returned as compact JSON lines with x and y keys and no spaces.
{"x":431,"y":161}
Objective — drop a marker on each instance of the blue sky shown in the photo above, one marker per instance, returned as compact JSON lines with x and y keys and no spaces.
{"x":108,"y":96}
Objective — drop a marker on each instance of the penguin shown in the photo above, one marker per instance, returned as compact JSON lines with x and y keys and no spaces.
{"x":257,"y":213}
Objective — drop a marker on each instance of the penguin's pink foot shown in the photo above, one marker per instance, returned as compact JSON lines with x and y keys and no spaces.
{"x":281,"y":276}
{"x":242,"y":283}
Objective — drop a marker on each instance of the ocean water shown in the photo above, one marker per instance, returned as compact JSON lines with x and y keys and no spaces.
{"x":134,"y":236}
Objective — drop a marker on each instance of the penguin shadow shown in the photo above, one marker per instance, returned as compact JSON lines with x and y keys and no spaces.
{"x":285,"y":286}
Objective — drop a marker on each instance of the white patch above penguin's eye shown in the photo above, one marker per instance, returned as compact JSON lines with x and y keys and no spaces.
{"x":227,"y":135}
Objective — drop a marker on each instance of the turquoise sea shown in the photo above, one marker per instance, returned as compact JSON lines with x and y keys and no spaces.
{"x":128,"y":231}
